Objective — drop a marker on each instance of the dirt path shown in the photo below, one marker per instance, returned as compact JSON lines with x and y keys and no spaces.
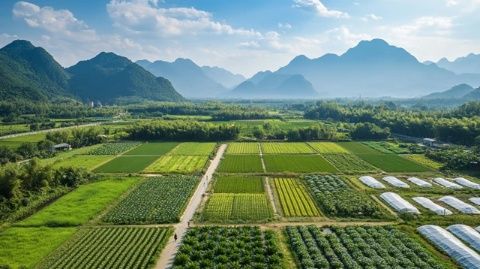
{"x":168,"y":254}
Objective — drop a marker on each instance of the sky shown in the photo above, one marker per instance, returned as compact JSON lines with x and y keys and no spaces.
{"x":244,"y":36}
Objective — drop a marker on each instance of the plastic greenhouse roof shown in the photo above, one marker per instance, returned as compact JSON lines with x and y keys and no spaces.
{"x":429,"y":204}
{"x":467,"y":234}
{"x":475,"y":200}
{"x":442,"y":239}
{"x":467,"y":183}
{"x":398,"y":203}
{"x":446,"y":183}
{"x":419,"y":182}
{"x":372,"y":182}
{"x":395,"y":182}
{"x":459,"y":205}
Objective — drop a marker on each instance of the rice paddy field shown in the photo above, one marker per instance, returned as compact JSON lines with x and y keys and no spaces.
{"x":193,"y":148}
{"x":297,"y":164}
{"x":243,"y":148}
{"x":126,"y":164}
{"x":327,"y":147}
{"x":88,"y":162}
{"x":348,"y":162}
{"x":393,"y":163}
{"x":294,"y":199}
{"x":152,"y":149}
{"x":238,"y":184}
{"x":241,"y":164}
{"x":181,"y":164}
{"x":286,"y":148}
{"x":240,"y":207}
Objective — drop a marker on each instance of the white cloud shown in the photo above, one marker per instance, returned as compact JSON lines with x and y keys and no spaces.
{"x":425,"y":25}
{"x":142,"y":16}
{"x":286,"y":26}
{"x":7,"y":38}
{"x":451,"y":3}
{"x":371,"y":17}
{"x":345,"y":36}
{"x":320,"y":8}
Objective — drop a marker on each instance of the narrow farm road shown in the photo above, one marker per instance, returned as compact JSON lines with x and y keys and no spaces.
{"x":168,"y":254}
{"x":50,"y":130}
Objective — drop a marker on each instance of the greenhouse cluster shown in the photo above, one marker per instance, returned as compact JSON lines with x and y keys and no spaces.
{"x":459,"y":205}
{"x":444,"y":240}
{"x":467,"y":183}
{"x":371,"y":182}
{"x":447,"y":184}
{"x":395,"y":182}
{"x":430,"y":205}
{"x":467,"y":234}
{"x":420,"y":182}
{"x":398,"y":203}
{"x":475,"y":200}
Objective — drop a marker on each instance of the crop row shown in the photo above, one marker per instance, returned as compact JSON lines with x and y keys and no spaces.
{"x":294,"y":199}
{"x":156,"y":200}
{"x":177,"y":164}
{"x":327,"y":147}
{"x":238,"y":184}
{"x":238,"y":207}
{"x":286,"y":148}
{"x":113,"y":148}
{"x":193,"y":148}
{"x":243,"y":148}
{"x":357,"y":247}
{"x":348,"y":162}
{"x":297,"y":163}
{"x":241,"y":164}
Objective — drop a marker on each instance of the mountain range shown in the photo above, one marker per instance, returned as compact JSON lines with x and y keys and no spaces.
{"x":469,"y":64}
{"x":461,"y":91}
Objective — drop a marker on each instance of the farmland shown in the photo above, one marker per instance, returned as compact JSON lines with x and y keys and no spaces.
{"x":177,"y":164}
{"x":238,"y":184}
{"x":113,"y":148}
{"x":126,"y":164}
{"x":241,"y":164}
{"x":240,"y":207}
{"x":393,"y":163}
{"x":223,"y":247}
{"x":243,"y":148}
{"x":110,"y":247}
{"x":156,"y":200}
{"x":192,"y":148}
{"x":286,"y":148}
{"x":357,"y":247}
{"x":423,"y":160}
{"x":294,"y":199}
{"x":88,"y":162}
{"x":358,"y":148}
{"x":327,"y":147}
{"x":153,"y":148}
{"x":348,"y":163}
{"x":297,"y":163}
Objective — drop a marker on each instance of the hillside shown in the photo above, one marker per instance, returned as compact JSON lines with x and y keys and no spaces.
{"x":31,"y":73}
{"x":456,"y":92}
{"x":108,"y":77}
{"x":186,"y":76}
{"x":223,"y":76}
{"x":375,"y":69}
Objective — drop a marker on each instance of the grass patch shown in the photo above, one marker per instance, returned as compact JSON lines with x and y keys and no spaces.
{"x":243,"y":148}
{"x":297,"y":164}
{"x":193,"y":148}
{"x":238,"y":184}
{"x":126,"y":164}
{"x":327,"y":147}
{"x":286,"y":148}
{"x":177,"y":164}
{"x":241,"y":164}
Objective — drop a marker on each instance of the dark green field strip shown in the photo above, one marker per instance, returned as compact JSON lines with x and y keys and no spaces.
{"x":241,"y":164}
{"x":110,"y":247}
{"x":297,"y":164}
{"x":126,"y":164}
{"x":393,"y":163}
{"x":238,"y":184}
{"x":153,"y":148}
{"x":358,"y":148}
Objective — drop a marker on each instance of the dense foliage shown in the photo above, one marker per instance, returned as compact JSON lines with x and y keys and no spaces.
{"x":456,"y":158}
{"x":182,"y":130}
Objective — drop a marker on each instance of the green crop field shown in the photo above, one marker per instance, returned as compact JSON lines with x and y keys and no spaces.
{"x":297,"y":164}
{"x":241,"y":164}
{"x":113,"y":148}
{"x":294,"y":199}
{"x":348,"y":163}
{"x":237,"y":207}
{"x":193,"y":148}
{"x":88,"y":162}
{"x":156,"y":200}
{"x":126,"y":164}
{"x":423,"y":160}
{"x":286,"y":148}
{"x":178,"y":164}
{"x":110,"y":247}
{"x":25,"y":247}
{"x":327,"y":147}
{"x":153,"y":148}
{"x":80,"y":205}
{"x":238,"y":184}
{"x":229,"y":247}
{"x":393,"y":163}
{"x":358,"y":148}
{"x":243,"y":148}
{"x":13,"y":129}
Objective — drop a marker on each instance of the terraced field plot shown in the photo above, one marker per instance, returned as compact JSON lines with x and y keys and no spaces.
{"x":113,"y":148}
{"x":294,"y":199}
{"x":110,"y":247}
{"x":88,"y":162}
{"x":297,"y":164}
{"x":348,"y":163}
{"x":286,"y":148}
{"x":241,"y":164}
{"x":126,"y":164}
{"x":153,"y":148}
{"x":156,"y":200}
{"x":223,"y":207}
{"x":393,"y":163}
{"x":243,"y":148}
{"x":238,"y":184}
{"x":178,"y":164}
{"x":327,"y":147}
{"x":27,"y":246}
{"x":80,"y":205}
{"x":193,"y":148}
{"x":229,"y":247}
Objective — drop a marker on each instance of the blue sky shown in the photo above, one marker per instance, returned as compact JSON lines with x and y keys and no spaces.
{"x":243,"y":36}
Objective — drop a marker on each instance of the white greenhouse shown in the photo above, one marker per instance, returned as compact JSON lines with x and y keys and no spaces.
{"x":447,"y":184}
{"x":435,"y":208}
{"x":475,"y":200}
{"x":420,"y":182}
{"x":395,"y":182}
{"x":398,"y":203}
{"x":442,"y":239}
{"x":467,"y":234}
{"x":459,"y":205}
{"x":371,"y":182}
{"x":467,"y":183}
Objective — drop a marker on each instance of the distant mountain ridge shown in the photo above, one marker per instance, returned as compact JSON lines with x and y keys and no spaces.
{"x":223,"y":76}
{"x":456,"y":92}
{"x":469,"y":64}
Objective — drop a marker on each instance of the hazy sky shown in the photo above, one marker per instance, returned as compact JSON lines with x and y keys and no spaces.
{"x":244,"y":36}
